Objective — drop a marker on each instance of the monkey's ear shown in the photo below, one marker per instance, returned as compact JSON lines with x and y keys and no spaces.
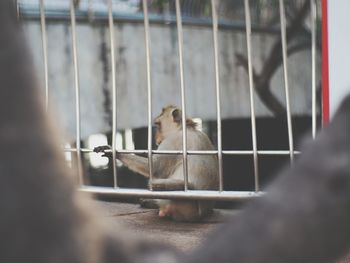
{"x":176,"y":113}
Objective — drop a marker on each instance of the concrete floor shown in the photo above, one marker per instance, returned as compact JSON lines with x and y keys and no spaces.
{"x":146,"y":223}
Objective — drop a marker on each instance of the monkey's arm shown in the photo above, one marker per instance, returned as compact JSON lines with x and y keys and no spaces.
{"x":139,"y":165}
{"x":135,"y":163}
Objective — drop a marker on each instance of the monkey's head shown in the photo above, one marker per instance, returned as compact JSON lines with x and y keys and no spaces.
{"x":169,"y":121}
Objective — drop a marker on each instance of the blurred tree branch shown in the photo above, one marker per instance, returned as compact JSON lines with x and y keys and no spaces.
{"x":262,"y":80}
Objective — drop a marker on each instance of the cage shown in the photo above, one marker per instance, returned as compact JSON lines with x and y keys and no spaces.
{"x":246,"y":71}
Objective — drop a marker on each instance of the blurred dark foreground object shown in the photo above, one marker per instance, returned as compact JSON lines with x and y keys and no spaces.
{"x":303,"y":218}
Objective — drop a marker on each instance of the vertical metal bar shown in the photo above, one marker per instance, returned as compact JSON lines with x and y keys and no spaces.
{"x":251,"y":93}
{"x":183,"y":104}
{"x":313,"y":64}
{"x":114,"y":93}
{"x":44,"y":43}
{"x":285,"y":71}
{"x":149,"y":90}
{"x":17,"y":10}
{"x":77,"y":91}
{"x":217,"y":88}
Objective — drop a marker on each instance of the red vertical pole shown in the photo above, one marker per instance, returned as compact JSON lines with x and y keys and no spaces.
{"x":325,"y":72}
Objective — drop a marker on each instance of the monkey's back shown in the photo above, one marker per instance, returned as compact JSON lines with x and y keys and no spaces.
{"x":202,"y":169}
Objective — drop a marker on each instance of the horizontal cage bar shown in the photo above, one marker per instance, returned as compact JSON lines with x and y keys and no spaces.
{"x":189,"y":194}
{"x":191,"y":152}
{"x":32,"y":13}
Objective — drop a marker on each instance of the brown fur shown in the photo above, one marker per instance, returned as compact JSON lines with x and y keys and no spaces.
{"x":168,"y":171}
{"x":166,"y":114}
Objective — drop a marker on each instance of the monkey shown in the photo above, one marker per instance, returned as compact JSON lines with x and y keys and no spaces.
{"x":303,"y":216}
{"x":168,"y":169}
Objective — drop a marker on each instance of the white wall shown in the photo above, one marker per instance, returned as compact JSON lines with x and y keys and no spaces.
{"x":339,"y":51}
{"x":95,"y":78}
